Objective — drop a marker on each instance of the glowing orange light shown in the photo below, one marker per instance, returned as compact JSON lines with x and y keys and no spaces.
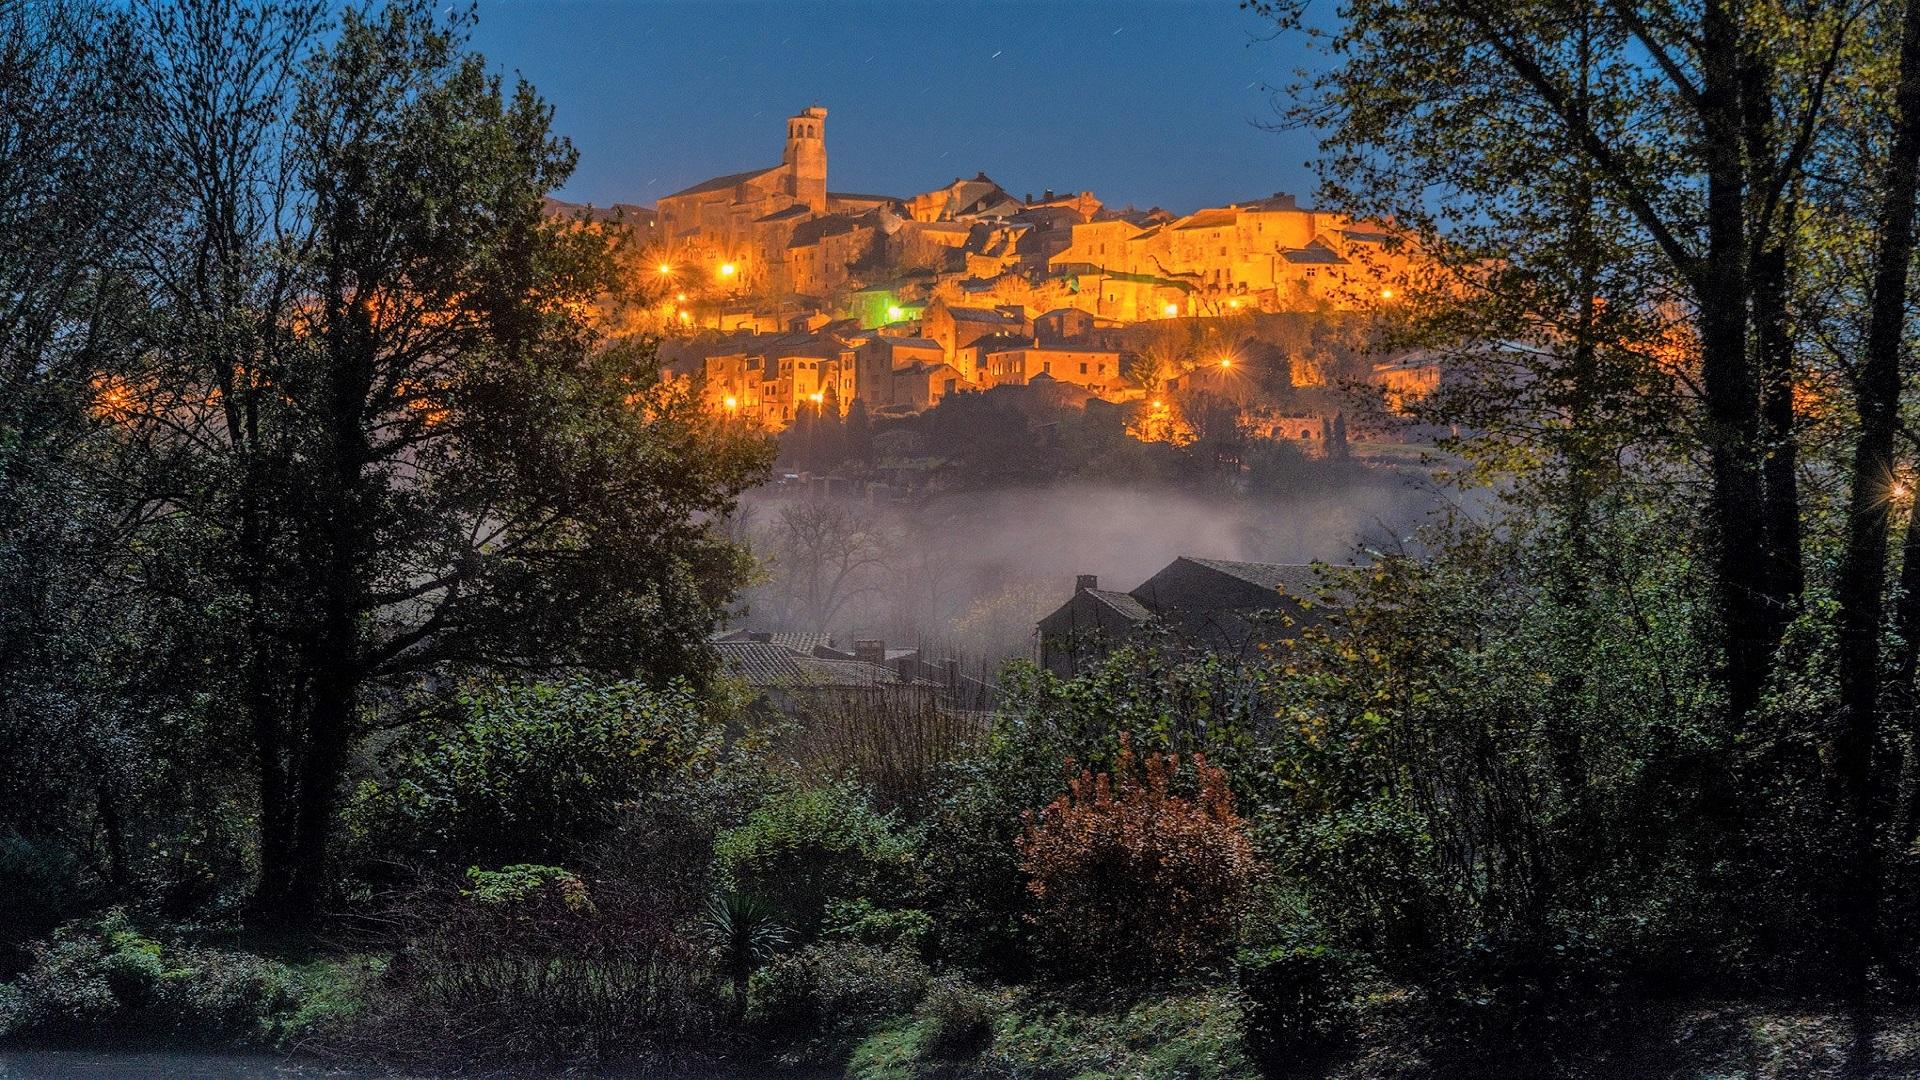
{"x":728,"y":269}
{"x":1386,"y":294}
{"x":818,"y":398}
{"x":1233,"y":303}
{"x":1226,"y":361}
{"x":665,"y":268}
{"x":732,"y":402}
{"x":685,"y":317}
{"x":682,"y":297}
{"x":1171,"y":310}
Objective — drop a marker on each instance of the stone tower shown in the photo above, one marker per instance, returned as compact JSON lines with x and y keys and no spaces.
{"x":806,"y":158}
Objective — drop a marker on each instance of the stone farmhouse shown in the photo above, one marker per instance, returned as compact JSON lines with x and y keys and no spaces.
{"x":1210,"y":604}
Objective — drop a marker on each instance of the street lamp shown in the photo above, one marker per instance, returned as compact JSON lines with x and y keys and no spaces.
{"x":728,"y":269}
{"x":894,"y":314}
{"x":1170,"y":310}
{"x":665,"y":269}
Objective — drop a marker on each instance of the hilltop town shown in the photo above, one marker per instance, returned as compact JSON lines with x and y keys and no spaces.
{"x":784,"y":295}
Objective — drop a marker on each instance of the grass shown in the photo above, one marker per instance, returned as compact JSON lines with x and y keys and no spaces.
{"x":1191,"y":1036}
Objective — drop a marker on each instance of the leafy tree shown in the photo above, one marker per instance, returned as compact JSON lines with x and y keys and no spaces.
{"x":386,"y":404}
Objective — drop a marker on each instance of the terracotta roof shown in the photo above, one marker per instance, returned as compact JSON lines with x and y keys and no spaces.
{"x":1365,"y":236}
{"x":797,"y":210}
{"x":1314,"y":252}
{"x":812,"y":232}
{"x":1209,"y":219}
{"x":721,"y":183}
{"x":970,"y":314}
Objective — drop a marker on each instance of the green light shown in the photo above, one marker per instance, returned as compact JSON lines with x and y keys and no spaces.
{"x":894,"y":314}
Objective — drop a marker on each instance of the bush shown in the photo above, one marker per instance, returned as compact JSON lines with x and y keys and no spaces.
{"x":956,"y":1019}
{"x":859,"y":920}
{"x":1132,"y":880}
{"x":532,"y":966}
{"x":803,"y":848}
{"x":1296,"y":998}
{"x":836,"y":990}
{"x":111,"y":975}
{"x":525,"y":772}
{"x":42,"y":884}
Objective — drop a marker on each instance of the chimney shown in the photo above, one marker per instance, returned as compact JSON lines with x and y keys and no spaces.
{"x":872,"y":650}
{"x":1086,"y":581}
{"x":1048,"y":197}
{"x":1029,"y":198}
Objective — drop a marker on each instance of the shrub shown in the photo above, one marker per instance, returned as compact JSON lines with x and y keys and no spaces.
{"x":804,"y":847}
{"x":534,"y":966}
{"x":1130,"y":879}
{"x":525,"y":772}
{"x":956,"y":1019}
{"x":859,"y":920}
{"x":1296,"y":997}
{"x":835,"y":989}
{"x":111,"y":975}
{"x":41,"y":884}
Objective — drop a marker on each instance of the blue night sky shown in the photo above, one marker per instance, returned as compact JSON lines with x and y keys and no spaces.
{"x":1145,"y":103}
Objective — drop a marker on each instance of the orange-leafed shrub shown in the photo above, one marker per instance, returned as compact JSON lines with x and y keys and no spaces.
{"x":1131,"y":880}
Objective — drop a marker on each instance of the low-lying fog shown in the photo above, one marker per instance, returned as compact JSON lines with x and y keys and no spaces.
{"x":971,"y":572}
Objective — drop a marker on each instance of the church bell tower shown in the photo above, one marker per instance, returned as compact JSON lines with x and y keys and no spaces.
{"x":806,"y":158}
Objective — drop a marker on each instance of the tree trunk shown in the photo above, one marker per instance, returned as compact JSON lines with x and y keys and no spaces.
{"x":1861,"y":582}
{"x":1781,"y":463}
{"x":1732,"y":392}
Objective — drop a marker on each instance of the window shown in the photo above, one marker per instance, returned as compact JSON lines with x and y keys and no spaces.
{"x":1083,"y":367}
{"x":1046,"y":366}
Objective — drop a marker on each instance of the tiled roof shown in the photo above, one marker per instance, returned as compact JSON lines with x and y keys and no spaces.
{"x":1314,"y":252}
{"x":797,"y":210}
{"x":801,"y":642}
{"x":1127,"y":605}
{"x":993,"y":343}
{"x":721,"y":183}
{"x":970,"y":314}
{"x":1296,"y":578}
{"x":1209,"y":219}
{"x":1090,"y":350}
{"x":765,"y":664}
{"x":812,"y":232}
{"x":863,"y":198}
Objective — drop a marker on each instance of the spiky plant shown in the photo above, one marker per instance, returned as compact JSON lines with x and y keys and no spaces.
{"x":746,"y":931}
